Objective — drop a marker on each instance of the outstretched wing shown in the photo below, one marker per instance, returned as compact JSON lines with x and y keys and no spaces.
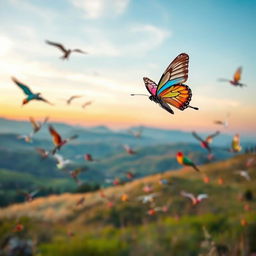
{"x":58,"y":45}
{"x":33,"y":123}
{"x":44,"y":100}
{"x":55,"y":136}
{"x":210,"y":137}
{"x":22,"y":86}
{"x":150,"y":85}
{"x":197,"y":136}
{"x":176,"y":73}
{"x":237,"y":75}
{"x":80,"y":51}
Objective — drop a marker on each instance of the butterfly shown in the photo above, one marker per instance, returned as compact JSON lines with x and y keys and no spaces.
{"x":170,"y":90}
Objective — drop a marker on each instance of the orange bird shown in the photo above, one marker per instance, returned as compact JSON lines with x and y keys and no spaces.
{"x":236,"y":78}
{"x":57,"y":140}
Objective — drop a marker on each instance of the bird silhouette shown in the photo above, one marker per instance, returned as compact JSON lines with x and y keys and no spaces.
{"x":66,"y":52}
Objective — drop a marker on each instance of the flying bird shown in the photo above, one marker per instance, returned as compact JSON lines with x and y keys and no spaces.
{"x":29,"y":196}
{"x":235,"y":145}
{"x":88,"y":157}
{"x":87,"y":103}
{"x":170,"y":90}
{"x":37,"y":125}
{"x":244,"y":174}
{"x":138,"y":133}
{"x":61,"y":162}
{"x":236,"y":78}
{"x":66,"y":52}
{"x":42,"y":152}
{"x":181,"y":159}
{"x":205,"y":143}
{"x":147,"y":198}
{"x":70,"y":99}
{"x":129,"y":150}
{"x":29,"y":93}
{"x":75,"y":173}
{"x":224,"y":123}
{"x":57,"y":140}
{"x":26,"y":138}
{"x":195,"y":199}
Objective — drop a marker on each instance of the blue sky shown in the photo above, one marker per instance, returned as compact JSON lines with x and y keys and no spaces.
{"x":126,"y":41}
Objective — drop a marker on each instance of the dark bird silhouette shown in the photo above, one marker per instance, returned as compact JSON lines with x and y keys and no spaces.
{"x":29,"y":93}
{"x":66,"y":52}
{"x":72,"y":98}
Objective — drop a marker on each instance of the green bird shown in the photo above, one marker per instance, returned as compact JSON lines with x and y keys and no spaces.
{"x":181,"y":159}
{"x":29,"y":93}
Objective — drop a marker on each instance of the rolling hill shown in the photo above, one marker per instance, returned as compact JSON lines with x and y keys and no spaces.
{"x":128,"y":227}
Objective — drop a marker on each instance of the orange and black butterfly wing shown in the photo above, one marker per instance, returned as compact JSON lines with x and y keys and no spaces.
{"x":178,"y":96}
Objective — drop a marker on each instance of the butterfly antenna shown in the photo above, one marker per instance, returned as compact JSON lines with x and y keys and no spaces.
{"x":193,"y":107}
{"x":138,"y":94}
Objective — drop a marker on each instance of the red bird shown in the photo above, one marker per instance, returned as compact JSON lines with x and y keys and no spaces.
{"x":57,"y":140}
{"x":18,"y":228}
{"x":88,"y":157}
{"x":206,"y":142}
{"x":129,"y":150}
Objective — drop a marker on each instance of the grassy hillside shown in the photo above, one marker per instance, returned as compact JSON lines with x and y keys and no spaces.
{"x":61,"y":228}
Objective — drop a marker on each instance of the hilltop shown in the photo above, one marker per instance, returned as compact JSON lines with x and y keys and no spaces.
{"x":120,"y":229}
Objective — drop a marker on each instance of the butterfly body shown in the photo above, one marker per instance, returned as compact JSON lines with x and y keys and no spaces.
{"x":170,"y":90}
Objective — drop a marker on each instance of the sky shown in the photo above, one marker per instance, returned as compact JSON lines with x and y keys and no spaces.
{"x":127,"y":40}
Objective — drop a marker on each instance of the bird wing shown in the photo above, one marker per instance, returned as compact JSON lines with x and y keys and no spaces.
{"x":44,"y":100}
{"x":55,"y":136}
{"x":23,"y":87}
{"x":197,"y":137}
{"x":210,"y":137}
{"x":80,"y":51}
{"x":59,"y":158}
{"x":73,"y":97}
{"x":219,"y":122}
{"x":72,"y":138}
{"x":32,"y":194}
{"x":34,"y":123}
{"x":86,"y":104}
{"x":202,"y":196}
{"x":58,"y":45}
{"x":237,"y":75}
{"x":188,"y":195}
{"x":41,"y":151}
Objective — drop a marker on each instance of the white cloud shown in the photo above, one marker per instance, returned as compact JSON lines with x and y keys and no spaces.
{"x":94,"y":9}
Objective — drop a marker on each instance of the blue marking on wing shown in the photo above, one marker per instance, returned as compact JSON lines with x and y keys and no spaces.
{"x":169,"y":84}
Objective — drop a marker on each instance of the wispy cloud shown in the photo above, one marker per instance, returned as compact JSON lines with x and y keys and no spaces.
{"x":95,"y":9}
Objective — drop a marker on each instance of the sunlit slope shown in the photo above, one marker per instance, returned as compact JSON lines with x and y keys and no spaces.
{"x":222,"y":198}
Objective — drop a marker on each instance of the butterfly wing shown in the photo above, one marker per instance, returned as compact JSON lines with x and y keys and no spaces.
{"x":176,"y":73}
{"x":178,"y":96}
{"x":150,"y":85}
{"x":237,"y":75}
{"x":170,"y":88}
